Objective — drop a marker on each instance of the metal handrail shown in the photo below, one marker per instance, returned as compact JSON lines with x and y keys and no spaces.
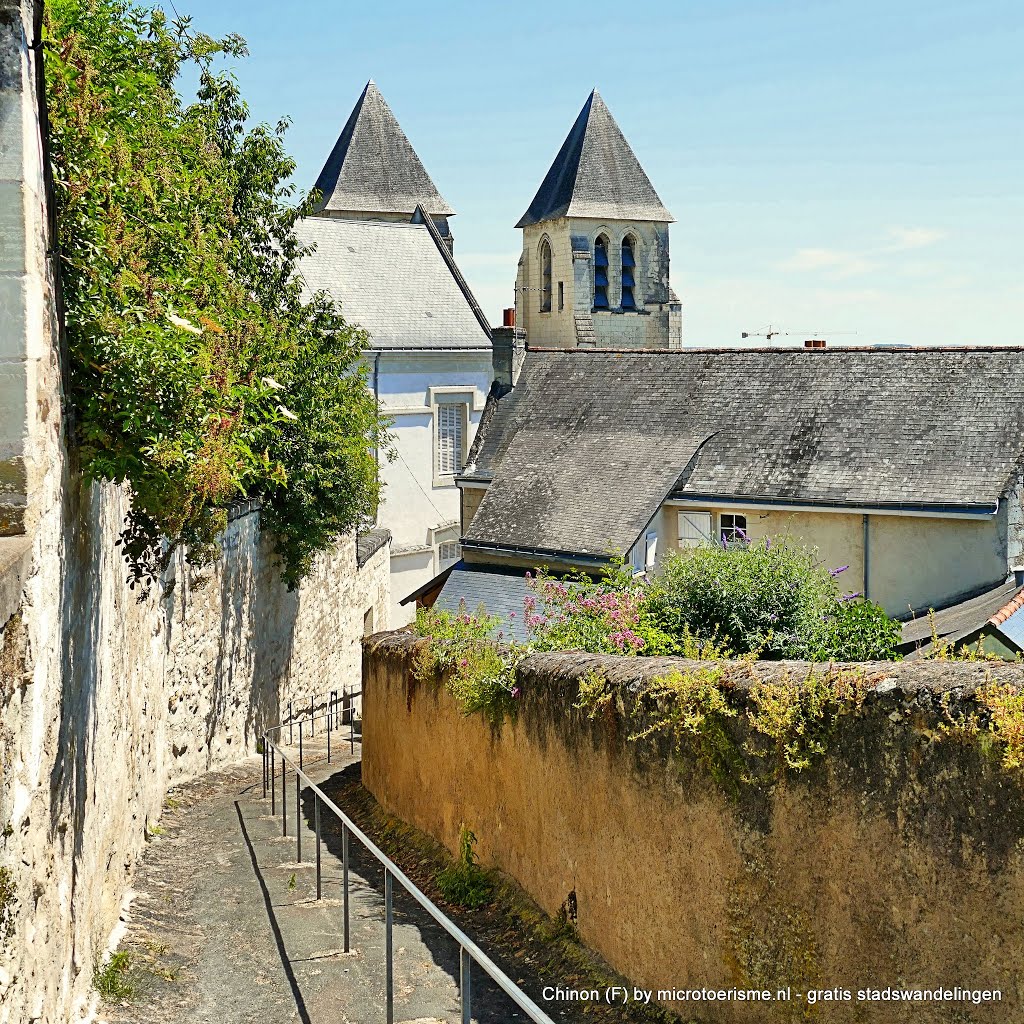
{"x":468,"y":950}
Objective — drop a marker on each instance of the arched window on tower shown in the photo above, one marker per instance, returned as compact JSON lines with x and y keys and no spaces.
{"x":545,"y":276}
{"x":601,"y":272}
{"x":628,"y":272}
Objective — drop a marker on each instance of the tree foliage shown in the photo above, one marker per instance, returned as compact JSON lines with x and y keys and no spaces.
{"x":199,"y":372}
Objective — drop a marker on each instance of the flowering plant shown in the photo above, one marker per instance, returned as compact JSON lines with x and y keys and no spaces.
{"x":580,"y":613}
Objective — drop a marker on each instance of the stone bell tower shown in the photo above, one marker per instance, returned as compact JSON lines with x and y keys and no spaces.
{"x":594,"y":268}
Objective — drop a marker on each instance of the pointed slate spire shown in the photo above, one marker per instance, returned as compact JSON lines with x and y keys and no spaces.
{"x":373,"y":167}
{"x":596,"y":174}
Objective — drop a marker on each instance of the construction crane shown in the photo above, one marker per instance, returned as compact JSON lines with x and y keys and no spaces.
{"x":771,"y":332}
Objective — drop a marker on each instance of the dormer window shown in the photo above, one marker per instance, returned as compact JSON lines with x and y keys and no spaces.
{"x":545,"y":276}
{"x":628,"y":272}
{"x":601,"y":273}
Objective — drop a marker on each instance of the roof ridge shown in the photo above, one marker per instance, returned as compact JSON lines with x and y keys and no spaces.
{"x":420,"y":216}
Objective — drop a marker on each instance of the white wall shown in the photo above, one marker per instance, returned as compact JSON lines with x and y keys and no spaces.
{"x":416,"y":504}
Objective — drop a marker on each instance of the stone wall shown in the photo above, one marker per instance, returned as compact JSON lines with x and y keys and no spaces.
{"x":107,"y":700}
{"x":896,"y":861}
{"x":107,"y":696}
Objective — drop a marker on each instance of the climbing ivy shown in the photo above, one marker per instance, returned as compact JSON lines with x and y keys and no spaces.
{"x":199,"y":372}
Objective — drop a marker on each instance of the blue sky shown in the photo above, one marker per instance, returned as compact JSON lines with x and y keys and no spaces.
{"x":832,"y":166}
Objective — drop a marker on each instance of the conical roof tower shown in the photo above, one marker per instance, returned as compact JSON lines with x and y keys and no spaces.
{"x":373,"y":169}
{"x":596,"y":174}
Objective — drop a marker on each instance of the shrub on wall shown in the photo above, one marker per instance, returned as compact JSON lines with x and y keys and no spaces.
{"x":775,"y":600}
{"x":199,"y":372}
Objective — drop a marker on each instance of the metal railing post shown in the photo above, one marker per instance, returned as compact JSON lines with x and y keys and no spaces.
{"x":329,"y":731}
{"x":465,"y":997}
{"x":264,"y":752}
{"x":298,"y":818}
{"x":316,"y":819}
{"x":273,"y":782}
{"x":344,"y":875}
{"x":389,"y":964}
{"x":352,"y":725}
{"x":291,"y":718}
{"x":312,"y":715}
{"x":300,"y":744}
{"x":284,"y":796}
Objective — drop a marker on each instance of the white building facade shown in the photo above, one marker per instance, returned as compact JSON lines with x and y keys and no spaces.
{"x":383,"y":250}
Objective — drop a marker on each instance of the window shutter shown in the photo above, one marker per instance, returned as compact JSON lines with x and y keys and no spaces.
{"x":694,"y":529}
{"x":449,"y":438}
{"x":651,"y":554}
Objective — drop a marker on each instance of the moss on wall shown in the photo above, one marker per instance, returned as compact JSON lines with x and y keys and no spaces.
{"x":892,"y":857}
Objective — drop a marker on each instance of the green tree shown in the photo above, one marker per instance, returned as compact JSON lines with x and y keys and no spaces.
{"x":199,"y":371}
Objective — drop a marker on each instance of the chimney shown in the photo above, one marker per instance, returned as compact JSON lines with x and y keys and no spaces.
{"x":508,"y":317}
{"x":1018,"y":575}
{"x":814,"y":343}
{"x":508,"y":350}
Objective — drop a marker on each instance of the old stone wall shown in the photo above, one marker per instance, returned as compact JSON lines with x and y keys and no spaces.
{"x":896,"y":861}
{"x":107,"y":699}
{"x":108,"y":696}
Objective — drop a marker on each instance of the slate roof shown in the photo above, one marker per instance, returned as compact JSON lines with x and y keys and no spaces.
{"x":589,"y":443}
{"x":1000,"y":607}
{"x":398,"y":281}
{"x":596,"y":174}
{"x":500,"y":592}
{"x":373,"y":167}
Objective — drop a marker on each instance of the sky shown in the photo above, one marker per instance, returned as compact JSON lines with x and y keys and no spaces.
{"x":848,"y":170}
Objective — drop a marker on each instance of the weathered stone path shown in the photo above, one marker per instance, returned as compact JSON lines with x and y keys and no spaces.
{"x":226,"y":928}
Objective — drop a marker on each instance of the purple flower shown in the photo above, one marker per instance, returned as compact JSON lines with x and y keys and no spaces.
{"x":515,"y":691}
{"x":835,"y":572}
{"x":850,"y":597}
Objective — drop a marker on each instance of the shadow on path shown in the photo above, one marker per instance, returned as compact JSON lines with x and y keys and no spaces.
{"x":286,"y":965}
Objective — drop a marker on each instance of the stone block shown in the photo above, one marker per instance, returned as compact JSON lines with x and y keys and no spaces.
{"x":13,"y":408}
{"x":12,"y":317}
{"x":12,"y":227}
{"x":12,"y":135}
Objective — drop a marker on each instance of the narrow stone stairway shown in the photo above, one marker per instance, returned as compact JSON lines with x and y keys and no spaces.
{"x":225,"y":926}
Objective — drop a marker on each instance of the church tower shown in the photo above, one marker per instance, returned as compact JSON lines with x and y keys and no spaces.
{"x":594,"y":269}
{"x":373,"y":173}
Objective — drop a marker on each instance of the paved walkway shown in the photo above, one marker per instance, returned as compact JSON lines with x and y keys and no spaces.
{"x":226,"y":927}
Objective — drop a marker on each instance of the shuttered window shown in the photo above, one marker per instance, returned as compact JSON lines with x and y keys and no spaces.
{"x":448,"y":552}
{"x":601,"y":273}
{"x":449,"y":437}
{"x":628,"y":271}
{"x":694,"y":529}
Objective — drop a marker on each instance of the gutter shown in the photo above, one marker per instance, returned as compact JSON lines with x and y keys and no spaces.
{"x":516,"y":550}
{"x":427,"y":348}
{"x":376,"y":402}
{"x":867,"y":560}
{"x":937,"y":508}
